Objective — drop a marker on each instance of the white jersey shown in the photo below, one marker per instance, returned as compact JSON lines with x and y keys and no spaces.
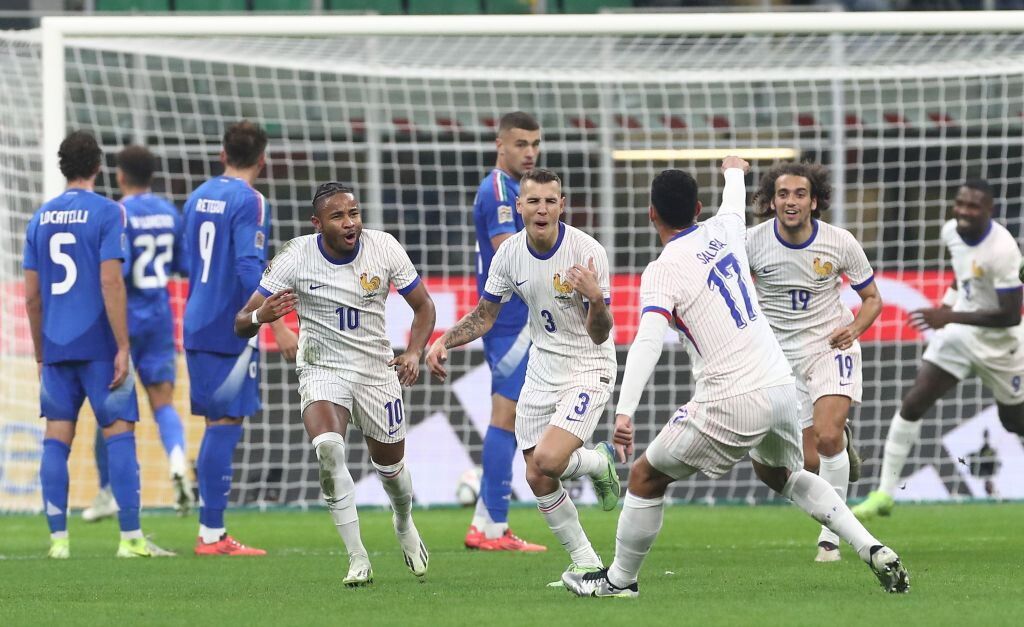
{"x":798,"y":285}
{"x":982,"y":270}
{"x":341,"y":301}
{"x":561,"y":349}
{"x":700,"y":282}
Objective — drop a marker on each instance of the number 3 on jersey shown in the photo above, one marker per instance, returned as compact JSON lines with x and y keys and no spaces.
{"x":719,"y":277}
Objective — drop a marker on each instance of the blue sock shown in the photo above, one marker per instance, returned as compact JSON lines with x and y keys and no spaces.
{"x":53,"y":475}
{"x":100,"y":452}
{"x":496,"y":483}
{"x":215,"y":457}
{"x":124,"y":478}
{"x":171,"y":432}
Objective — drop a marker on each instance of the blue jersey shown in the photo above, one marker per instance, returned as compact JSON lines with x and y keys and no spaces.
{"x":67,"y":240}
{"x":494,"y":213}
{"x":226,"y":226}
{"x":155,"y":250}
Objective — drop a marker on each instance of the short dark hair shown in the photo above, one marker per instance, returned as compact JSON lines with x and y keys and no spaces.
{"x":540,"y":176}
{"x":244,"y":142}
{"x":138,"y":164}
{"x":980,"y":185}
{"x":326,"y":190}
{"x":79,"y":156}
{"x":517,"y":119}
{"x":815,"y":173}
{"x":674,"y":197}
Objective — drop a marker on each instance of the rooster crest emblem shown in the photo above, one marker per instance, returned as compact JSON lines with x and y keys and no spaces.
{"x":822,"y":269}
{"x":370,"y":286}
{"x":562,"y":288}
{"x":976,"y":270}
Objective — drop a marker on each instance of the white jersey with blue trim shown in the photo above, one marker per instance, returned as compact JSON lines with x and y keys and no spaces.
{"x":701,"y":284}
{"x":342,"y":301}
{"x":983,"y":269}
{"x":799,"y":285}
{"x":562,"y":350}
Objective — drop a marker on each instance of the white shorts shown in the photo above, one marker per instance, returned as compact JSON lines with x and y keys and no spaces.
{"x":377,"y":410}
{"x":830,"y":373}
{"x":713,"y":436}
{"x":961,"y":351}
{"x":576,"y":409}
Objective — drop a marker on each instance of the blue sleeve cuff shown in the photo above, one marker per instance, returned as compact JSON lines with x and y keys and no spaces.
{"x":608,"y":300}
{"x":860,"y":286}
{"x":658,"y":310}
{"x":408,"y":288}
{"x":505,"y":228}
{"x":491,"y":297}
{"x":264,"y":291}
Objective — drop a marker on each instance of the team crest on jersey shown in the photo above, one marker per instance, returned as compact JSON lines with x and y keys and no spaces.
{"x":371,"y":287}
{"x":563,"y":291}
{"x":824,"y":270}
{"x":976,"y":270}
{"x":504,"y":214}
{"x":261,"y":239}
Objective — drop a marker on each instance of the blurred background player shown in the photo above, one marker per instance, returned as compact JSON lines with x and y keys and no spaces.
{"x":338,"y":280}
{"x":507,"y":344}
{"x":978,"y":331}
{"x":798,"y":262}
{"x":154,"y":251}
{"x":561,"y":273}
{"x":744,"y":402}
{"x":76,"y":302}
{"x":226,"y":228}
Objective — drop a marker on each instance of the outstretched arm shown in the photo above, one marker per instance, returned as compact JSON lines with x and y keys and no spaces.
{"x":1007,"y":315}
{"x":643,"y":356}
{"x":734,"y":195}
{"x":473,"y":325}
{"x":423,"y":319}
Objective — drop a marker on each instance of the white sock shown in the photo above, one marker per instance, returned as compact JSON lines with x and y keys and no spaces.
{"x":584,"y":462}
{"x":132,"y":535}
{"x":563,"y":519}
{"x":639,"y":525}
{"x":835,"y":470}
{"x":481,"y":517}
{"x":902,"y":437}
{"x":59,"y":535}
{"x":176,"y":462}
{"x":209,"y":535}
{"x":397,"y":484}
{"x":339,"y":490}
{"x":815,"y":496}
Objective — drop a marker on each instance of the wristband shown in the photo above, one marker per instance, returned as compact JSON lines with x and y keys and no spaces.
{"x":255,"y":319}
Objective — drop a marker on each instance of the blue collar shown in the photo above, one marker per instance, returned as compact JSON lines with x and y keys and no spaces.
{"x":980,"y":239}
{"x":810,"y":240}
{"x":335,"y":260}
{"x":684,"y":232}
{"x":554,"y":249}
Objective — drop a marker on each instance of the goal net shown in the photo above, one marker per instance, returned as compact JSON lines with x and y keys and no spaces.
{"x":405,"y":111}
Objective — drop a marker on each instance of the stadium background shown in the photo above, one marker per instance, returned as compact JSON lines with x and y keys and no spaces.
{"x":413,"y":131}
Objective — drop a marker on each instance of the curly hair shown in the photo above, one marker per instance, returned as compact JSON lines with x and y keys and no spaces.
{"x":79,"y":156}
{"x":815,"y":173}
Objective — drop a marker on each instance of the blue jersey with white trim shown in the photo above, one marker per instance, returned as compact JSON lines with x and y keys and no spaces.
{"x":67,"y":240}
{"x":226,"y":227}
{"x":155,"y":250}
{"x":494,"y":213}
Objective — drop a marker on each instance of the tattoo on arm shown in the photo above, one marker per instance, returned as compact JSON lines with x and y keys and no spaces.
{"x":472,"y":325}
{"x":599,"y":322}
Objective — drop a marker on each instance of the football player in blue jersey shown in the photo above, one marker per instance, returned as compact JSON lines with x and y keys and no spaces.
{"x":76,"y":302}
{"x":155,"y":250}
{"x":226,"y":229}
{"x":507,"y":344}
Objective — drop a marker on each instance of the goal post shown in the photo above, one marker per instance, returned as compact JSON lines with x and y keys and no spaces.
{"x":901,"y":106}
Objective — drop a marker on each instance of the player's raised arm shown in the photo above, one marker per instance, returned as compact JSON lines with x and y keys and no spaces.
{"x":472,"y":326}
{"x":262,"y":310}
{"x":423,"y":319}
{"x":592,"y":283}
{"x":734,"y":195}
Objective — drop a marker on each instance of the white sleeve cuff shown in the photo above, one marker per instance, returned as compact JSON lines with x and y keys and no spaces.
{"x":640,"y":362}
{"x":734,"y":195}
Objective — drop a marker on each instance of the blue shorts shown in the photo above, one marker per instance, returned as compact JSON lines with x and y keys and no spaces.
{"x":153,"y":352}
{"x":224,"y":386}
{"x":507,"y":356}
{"x":66,"y":385}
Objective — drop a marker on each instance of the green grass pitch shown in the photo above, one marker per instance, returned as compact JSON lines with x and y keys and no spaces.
{"x":730,"y":565}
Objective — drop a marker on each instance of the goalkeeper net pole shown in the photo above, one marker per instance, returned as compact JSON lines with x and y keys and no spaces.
{"x":901,"y":107}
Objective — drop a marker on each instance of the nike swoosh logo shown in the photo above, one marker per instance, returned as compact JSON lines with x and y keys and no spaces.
{"x":570,"y":419}
{"x":316,"y":287}
{"x":843,"y":385}
{"x":393,"y":431}
{"x":518,"y":283}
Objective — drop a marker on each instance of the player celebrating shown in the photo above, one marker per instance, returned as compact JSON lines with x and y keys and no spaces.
{"x":798,"y":261}
{"x":338,"y":281}
{"x":561,"y":274}
{"x":154,"y":240}
{"x":507,"y":344}
{"x":75,"y":297}
{"x":226,"y":226}
{"x":744,"y":401}
{"x":978,"y":330}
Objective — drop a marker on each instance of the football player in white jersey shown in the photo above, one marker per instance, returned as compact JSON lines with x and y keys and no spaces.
{"x":978,"y":331}
{"x":337,"y":280}
{"x":561,"y":274}
{"x":797,"y":262}
{"x":744,"y":402}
